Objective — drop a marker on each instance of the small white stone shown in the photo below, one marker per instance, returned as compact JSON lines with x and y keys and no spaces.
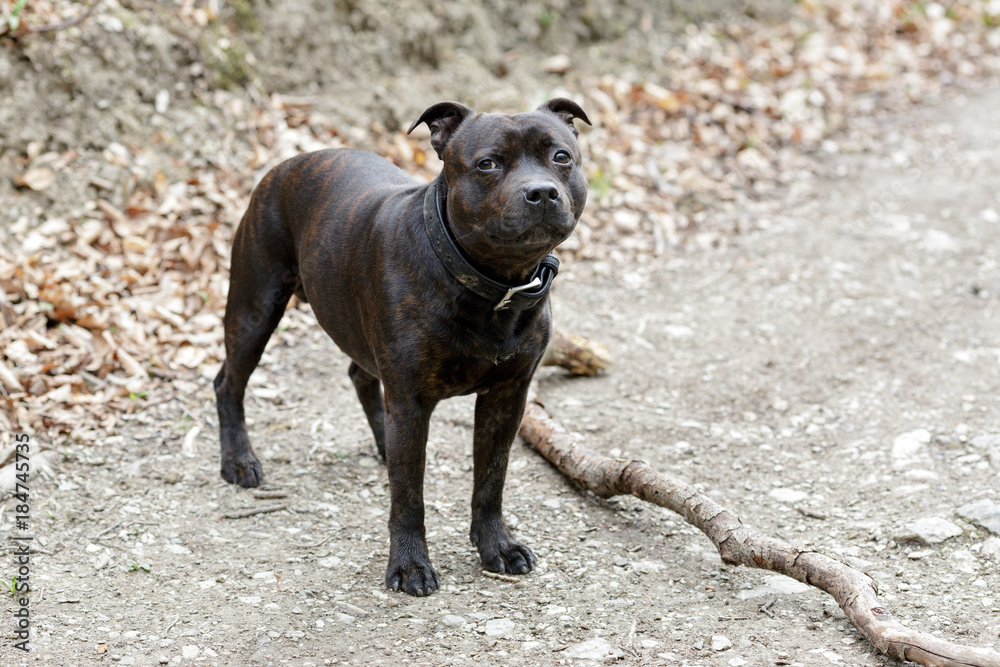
{"x":500,"y":627}
{"x":991,"y":548}
{"x":788,"y":496}
{"x":936,"y":240}
{"x":964,"y":561}
{"x":110,"y":23}
{"x":981,"y":441}
{"x":162,"y":101}
{"x":983,"y":512}
{"x":775,"y":584}
{"x":592,"y":649}
{"x":907,"y":445}
{"x":626,"y":219}
{"x":102,"y":561}
{"x":453,"y":621}
{"x":906,"y":490}
{"x":678,"y":331}
{"x":721,"y":643}
{"x":190,"y":652}
{"x":929,"y":530}
{"x":648,"y":566}
{"x":557,"y":64}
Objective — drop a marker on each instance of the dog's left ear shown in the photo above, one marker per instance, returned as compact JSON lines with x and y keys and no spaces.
{"x":567,"y":110}
{"x":443,"y":119}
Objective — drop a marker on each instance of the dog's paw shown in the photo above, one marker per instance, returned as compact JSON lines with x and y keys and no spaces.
{"x":416,"y":577}
{"x":498,"y":550}
{"x":245,"y":471}
{"x":508,"y":556}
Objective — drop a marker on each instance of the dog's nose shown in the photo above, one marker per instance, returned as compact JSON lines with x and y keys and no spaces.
{"x":537,"y":194}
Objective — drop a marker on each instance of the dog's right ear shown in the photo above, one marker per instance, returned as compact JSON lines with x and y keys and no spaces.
{"x":443,"y":119}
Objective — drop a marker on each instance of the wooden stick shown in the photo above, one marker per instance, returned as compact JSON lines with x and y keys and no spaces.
{"x":576,"y":354}
{"x":854,"y":591}
{"x":269,"y":494}
{"x":501,"y":577}
{"x":242,"y":514}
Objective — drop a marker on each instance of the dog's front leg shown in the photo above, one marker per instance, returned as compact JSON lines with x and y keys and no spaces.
{"x":406,"y":424}
{"x":498,"y":416}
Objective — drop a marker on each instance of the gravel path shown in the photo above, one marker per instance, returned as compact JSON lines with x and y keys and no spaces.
{"x":835,"y":378}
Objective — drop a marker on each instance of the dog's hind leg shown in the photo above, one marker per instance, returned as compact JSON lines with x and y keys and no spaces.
{"x":262,"y":280}
{"x":369,"y":390}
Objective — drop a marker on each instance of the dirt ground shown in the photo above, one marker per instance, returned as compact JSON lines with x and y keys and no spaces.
{"x":820,"y":351}
{"x":834,"y":378}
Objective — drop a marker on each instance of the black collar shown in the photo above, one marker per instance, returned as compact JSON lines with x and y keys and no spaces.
{"x":515,"y":297}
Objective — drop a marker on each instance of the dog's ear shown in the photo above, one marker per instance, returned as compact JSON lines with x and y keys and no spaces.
{"x":443,"y":119}
{"x":567,"y":110}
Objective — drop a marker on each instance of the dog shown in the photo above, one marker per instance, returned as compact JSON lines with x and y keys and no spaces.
{"x":433,"y":290}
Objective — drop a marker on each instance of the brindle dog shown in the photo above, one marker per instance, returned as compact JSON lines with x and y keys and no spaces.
{"x":434,"y":290}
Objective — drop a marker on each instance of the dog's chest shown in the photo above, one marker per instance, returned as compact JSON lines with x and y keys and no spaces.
{"x":472,"y":361}
{"x":495,"y":352}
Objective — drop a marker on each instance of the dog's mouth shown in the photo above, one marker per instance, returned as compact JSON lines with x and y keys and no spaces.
{"x":535,"y":237}
{"x":531,"y":239}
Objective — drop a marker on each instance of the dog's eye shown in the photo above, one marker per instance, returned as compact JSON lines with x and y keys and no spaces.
{"x":486,"y":164}
{"x":562,"y":157}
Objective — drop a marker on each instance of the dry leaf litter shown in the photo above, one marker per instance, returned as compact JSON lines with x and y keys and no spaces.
{"x":118,"y":306}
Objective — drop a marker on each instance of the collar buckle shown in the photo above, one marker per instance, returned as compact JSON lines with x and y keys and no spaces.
{"x":514,"y":290}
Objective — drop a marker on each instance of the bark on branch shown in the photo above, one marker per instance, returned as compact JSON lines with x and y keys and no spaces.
{"x":576,"y":354}
{"x":854,"y":591}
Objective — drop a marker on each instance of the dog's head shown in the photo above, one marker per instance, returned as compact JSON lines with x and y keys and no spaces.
{"x":515,"y":183}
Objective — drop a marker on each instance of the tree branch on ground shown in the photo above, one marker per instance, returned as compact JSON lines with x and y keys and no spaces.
{"x":576,"y":354}
{"x":855,"y":592}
